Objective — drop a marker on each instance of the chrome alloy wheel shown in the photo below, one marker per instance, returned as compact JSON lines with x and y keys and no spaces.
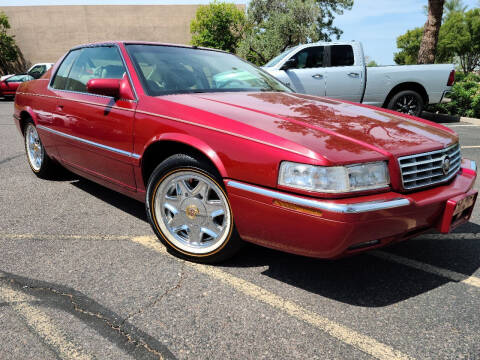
{"x":34,"y":148}
{"x":192,"y":212}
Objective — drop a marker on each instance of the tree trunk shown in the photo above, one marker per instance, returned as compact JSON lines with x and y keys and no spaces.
{"x":428,"y":47}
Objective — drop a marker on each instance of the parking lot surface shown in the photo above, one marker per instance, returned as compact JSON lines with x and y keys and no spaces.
{"x":82,"y":277}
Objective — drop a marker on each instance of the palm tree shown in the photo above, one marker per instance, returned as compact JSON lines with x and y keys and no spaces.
{"x":454,"y":6}
{"x":428,"y":46}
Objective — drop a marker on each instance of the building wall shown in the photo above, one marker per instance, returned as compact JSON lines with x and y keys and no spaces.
{"x":44,"y":33}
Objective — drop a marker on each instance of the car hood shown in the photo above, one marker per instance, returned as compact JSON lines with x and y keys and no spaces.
{"x":338,"y":131}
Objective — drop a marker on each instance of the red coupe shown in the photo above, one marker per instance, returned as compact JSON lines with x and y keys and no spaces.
{"x":220,"y":151}
{"x":9,"y":85}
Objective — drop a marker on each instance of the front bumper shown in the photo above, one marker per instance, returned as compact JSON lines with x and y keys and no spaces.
{"x":333,"y":228}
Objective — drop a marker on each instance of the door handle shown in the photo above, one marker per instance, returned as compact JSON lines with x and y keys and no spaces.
{"x":317,"y":76}
{"x":354,"y":75}
{"x":60,"y":108}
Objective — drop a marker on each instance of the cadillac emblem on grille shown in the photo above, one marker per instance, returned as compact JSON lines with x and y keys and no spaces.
{"x":446,"y":165}
{"x":430,"y":168}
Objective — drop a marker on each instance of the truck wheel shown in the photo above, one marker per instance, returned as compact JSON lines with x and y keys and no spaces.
{"x":189,"y":210}
{"x":408,"y":102}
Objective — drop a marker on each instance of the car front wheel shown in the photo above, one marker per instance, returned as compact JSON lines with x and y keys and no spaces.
{"x":189,"y":210}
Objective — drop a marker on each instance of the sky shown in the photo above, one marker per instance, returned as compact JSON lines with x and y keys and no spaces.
{"x":376,"y":23}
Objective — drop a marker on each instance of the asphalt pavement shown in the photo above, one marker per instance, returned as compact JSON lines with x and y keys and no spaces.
{"x":83,"y":277}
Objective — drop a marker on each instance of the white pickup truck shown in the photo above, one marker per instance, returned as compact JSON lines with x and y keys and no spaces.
{"x":35,"y":71}
{"x":338,"y":70}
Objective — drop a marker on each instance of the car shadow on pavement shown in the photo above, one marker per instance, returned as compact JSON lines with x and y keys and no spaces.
{"x":122,"y":202}
{"x":362,"y":280}
{"x":366,"y":280}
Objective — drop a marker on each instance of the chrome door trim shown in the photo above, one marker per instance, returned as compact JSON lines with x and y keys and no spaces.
{"x":85,"y":141}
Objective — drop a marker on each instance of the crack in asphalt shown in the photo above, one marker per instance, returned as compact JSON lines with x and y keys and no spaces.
{"x":160,"y":297}
{"x":132,"y":335}
{"x":11,"y":158}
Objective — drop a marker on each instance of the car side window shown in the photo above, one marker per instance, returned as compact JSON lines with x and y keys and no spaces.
{"x":102,"y":62}
{"x":311,"y":57}
{"x":342,"y":55}
{"x":60,"y":79}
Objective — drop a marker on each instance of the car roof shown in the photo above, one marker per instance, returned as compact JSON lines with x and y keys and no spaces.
{"x":131,"y":42}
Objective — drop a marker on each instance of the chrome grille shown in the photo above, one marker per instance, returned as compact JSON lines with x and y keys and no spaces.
{"x":427,"y":169}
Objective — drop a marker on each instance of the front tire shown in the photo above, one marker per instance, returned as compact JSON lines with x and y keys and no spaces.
{"x":408,"y":102}
{"x":189,"y":211}
{"x":37,"y":157}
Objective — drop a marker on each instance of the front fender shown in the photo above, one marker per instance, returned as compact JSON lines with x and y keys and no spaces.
{"x":194,"y":142}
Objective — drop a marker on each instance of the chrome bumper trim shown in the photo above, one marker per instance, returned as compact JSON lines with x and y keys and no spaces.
{"x":92,"y":143}
{"x":323,"y":205}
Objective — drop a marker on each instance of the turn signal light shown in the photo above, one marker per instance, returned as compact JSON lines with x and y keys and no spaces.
{"x":303,"y":209}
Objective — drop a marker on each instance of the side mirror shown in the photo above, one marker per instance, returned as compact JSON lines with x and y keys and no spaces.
{"x":106,"y":87}
{"x":289,"y":64}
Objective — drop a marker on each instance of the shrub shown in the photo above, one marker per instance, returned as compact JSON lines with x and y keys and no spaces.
{"x":465,"y":98}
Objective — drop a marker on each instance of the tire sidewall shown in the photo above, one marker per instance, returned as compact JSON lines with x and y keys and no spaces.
{"x":418,"y":97}
{"x":176,"y":163}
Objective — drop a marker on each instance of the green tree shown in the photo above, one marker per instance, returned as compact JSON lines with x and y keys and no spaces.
{"x":275,"y":25}
{"x":372,"y":63}
{"x":8,"y":49}
{"x":460,"y":39}
{"x":409,"y":45}
{"x":453,"y":6}
{"x":328,"y":10}
{"x":218,"y":25}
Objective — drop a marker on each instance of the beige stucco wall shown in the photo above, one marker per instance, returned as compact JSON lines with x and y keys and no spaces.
{"x":44,"y":33}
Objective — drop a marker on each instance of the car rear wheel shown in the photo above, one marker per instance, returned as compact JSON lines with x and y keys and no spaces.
{"x":37,"y":158}
{"x":408,"y":102}
{"x":189,"y":210}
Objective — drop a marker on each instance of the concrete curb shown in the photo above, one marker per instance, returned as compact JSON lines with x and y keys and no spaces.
{"x":444,"y":118}
{"x":470,"y":120}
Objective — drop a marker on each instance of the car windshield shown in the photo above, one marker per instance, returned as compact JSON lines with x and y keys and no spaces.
{"x":277,"y":58}
{"x":167,"y":70}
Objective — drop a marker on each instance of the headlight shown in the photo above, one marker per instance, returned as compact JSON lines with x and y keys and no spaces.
{"x":334,"y":179}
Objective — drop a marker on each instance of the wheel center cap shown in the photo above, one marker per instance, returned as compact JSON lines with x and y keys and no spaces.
{"x":192,"y":211}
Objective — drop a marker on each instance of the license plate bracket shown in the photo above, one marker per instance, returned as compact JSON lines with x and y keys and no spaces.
{"x":458,"y":211}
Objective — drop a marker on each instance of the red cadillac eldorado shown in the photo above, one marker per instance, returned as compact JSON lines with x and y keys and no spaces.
{"x":220,"y":151}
